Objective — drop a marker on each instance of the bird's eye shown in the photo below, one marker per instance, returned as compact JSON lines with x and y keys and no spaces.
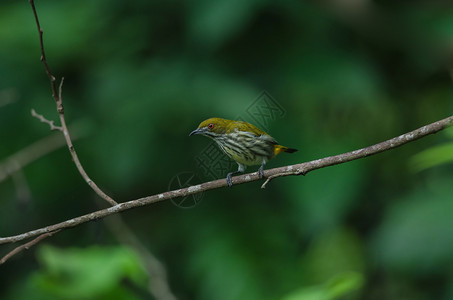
{"x":210,"y":126}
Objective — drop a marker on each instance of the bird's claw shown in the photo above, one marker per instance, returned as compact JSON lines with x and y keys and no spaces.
{"x":261,"y":172}
{"x":228,"y":180}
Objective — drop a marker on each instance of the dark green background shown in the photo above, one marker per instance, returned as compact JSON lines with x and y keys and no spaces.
{"x":140,"y":75}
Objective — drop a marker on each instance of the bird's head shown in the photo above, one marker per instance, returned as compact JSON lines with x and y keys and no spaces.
{"x":212,"y":127}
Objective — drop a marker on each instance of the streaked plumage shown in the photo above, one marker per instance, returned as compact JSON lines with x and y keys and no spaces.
{"x":242,"y":142}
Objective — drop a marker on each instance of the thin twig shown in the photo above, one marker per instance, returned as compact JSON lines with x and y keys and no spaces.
{"x":44,"y":120}
{"x":26,"y":246}
{"x":297,"y":169}
{"x":268,"y":179}
{"x":57,"y":95}
{"x":43,"y":54}
{"x":74,"y":155}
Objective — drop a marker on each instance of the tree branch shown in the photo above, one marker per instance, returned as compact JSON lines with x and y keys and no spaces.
{"x":58,"y":97}
{"x":26,"y":246}
{"x":302,"y":169}
{"x":158,"y":283}
{"x":297,"y":169}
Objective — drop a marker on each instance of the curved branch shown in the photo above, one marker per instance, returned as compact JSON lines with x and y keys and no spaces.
{"x":58,"y":97}
{"x":159,"y":286}
{"x":26,"y":246}
{"x":297,"y":169}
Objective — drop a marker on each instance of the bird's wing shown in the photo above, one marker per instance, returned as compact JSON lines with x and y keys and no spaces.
{"x":268,"y":138}
{"x":253,"y":131}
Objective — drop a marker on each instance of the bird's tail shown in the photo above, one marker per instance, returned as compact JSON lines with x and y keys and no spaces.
{"x":279,"y":148}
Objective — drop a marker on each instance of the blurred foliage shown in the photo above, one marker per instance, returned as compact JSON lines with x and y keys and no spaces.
{"x":333,"y":289}
{"x":428,"y":218}
{"x":91,"y":273}
{"x":434,"y":156}
{"x":140,"y":75}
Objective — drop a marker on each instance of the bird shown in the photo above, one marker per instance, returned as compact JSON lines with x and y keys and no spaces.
{"x":243,"y":142}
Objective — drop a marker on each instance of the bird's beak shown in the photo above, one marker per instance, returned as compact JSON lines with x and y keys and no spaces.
{"x":196,"y":131}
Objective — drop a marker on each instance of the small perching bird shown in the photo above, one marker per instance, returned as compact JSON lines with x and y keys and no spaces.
{"x":242,"y":142}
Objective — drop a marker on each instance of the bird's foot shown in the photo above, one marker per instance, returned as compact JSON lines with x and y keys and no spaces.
{"x":261,"y":171}
{"x":229,"y":180}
